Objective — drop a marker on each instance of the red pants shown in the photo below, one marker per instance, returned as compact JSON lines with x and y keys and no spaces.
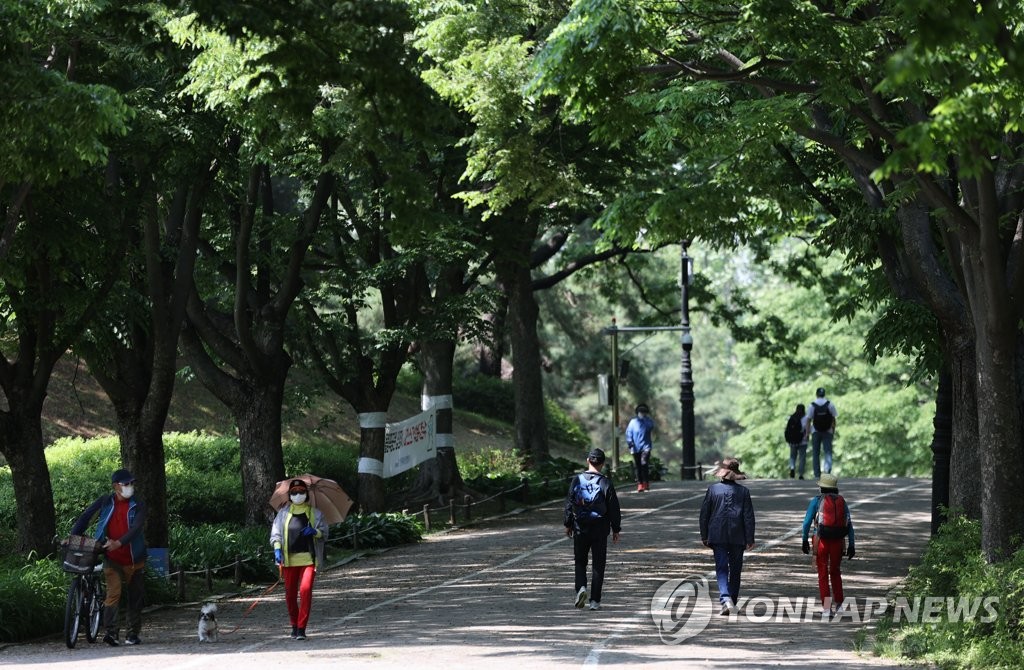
{"x":829,"y":553}
{"x":298,"y":593}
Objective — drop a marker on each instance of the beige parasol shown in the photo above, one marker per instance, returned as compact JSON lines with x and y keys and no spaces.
{"x":324,"y":494}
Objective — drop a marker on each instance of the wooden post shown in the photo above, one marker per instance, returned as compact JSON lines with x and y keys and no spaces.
{"x":238,"y":570}
{"x":526,"y":489}
{"x":451,"y":511}
{"x":501,"y":501}
{"x":469,"y":505}
{"x":209,"y":579}
{"x":426,"y":517}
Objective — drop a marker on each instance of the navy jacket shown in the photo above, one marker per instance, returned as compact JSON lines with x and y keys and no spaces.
{"x":727,"y":515}
{"x":611,"y":518}
{"x":136,"y":519}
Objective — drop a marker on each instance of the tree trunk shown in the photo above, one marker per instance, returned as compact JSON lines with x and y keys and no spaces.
{"x":371,"y":481}
{"x":21,"y":433}
{"x":530,"y":418}
{"x":942,"y":442}
{"x":965,"y":482}
{"x":491,"y":352}
{"x":142,"y":452}
{"x":439,"y":478}
{"x":259,"y":437}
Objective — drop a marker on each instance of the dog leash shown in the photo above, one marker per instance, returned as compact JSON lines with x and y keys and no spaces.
{"x":256,"y":602}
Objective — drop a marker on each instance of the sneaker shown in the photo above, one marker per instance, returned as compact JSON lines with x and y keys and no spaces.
{"x":111,"y":639}
{"x":295,"y":631}
{"x":132,"y":640}
{"x":581,"y":597}
{"x":594,"y":605}
{"x":640,"y":488}
{"x":792,"y":473}
{"x":300,"y":634}
{"x":647,"y":486}
{"x":727,"y":607}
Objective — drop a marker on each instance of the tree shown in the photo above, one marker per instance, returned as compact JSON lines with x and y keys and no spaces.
{"x":56,"y":262}
{"x":889,"y":105}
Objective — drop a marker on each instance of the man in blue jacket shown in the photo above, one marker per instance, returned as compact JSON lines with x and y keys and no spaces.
{"x":639,"y":434}
{"x":121,"y":518}
{"x":727,"y":526}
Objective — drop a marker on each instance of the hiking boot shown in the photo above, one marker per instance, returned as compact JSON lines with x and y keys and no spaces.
{"x":581,"y":597}
{"x":111,"y":639}
{"x":300,"y":634}
{"x":132,"y":640}
{"x":594,"y":605}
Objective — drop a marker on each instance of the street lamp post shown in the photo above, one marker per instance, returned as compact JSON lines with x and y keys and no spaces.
{"x":686,"y":470}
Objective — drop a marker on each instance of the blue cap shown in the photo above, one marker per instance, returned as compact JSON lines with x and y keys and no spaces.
{"x":121,"y":476}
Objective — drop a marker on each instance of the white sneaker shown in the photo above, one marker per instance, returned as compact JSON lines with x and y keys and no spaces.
{"x":581,"y":597}
{"x":727,"y":607}
{"x":594,"y":605}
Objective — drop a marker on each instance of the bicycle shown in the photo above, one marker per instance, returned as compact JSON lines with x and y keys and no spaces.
{"x":82,"y":558}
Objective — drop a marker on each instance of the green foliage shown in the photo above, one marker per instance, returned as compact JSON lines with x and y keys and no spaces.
{"x":32,"y":596}
{"x":953,"y":566}
{"x":494,"y":398}
{"x":374,"y":531}
{"x":197,"y":547}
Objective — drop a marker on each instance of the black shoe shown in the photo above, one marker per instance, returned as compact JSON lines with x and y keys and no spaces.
{"x":300,"y":634}
{"x":295,"y":631}
{"x":111,"y":639}
{"x":801,"y":476}
{"x":132,"y":640}
{"x":792,"y":473}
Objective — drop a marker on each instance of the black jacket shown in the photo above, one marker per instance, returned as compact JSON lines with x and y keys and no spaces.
{"x":610,"y":513}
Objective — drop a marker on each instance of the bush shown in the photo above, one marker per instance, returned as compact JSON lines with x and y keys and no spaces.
{"x":218,"y":546}
{"x":375,"y":531}
{"x":39,"y":582}
{"x":953,"y":566}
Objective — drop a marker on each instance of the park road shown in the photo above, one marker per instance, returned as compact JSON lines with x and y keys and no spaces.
{"x":502,"y":595}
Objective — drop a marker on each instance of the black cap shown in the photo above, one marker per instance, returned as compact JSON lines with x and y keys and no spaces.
{"x":596,"y":456}
{"x":643,"y":408}
{"x":820,"y":392}
{"x":121,"y":476}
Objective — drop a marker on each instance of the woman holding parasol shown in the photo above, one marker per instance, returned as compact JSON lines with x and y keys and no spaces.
{"x":298,"y":535}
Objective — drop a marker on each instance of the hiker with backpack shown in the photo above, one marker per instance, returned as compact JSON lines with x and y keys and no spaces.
{"x":638,"y":437}
{"x":821,"y":415}
{"x":727,"y":526}
{"x":828,"y":523}
{"x":591,"y":511}
{"x":796,"y":437}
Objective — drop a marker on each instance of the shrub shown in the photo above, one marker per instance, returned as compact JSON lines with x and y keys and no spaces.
{"x":377,"y":530}
{"x":953,"y":566}
{"x":40,"y":583}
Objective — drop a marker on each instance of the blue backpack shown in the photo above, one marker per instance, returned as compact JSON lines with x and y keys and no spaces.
{"x":589,"y":499}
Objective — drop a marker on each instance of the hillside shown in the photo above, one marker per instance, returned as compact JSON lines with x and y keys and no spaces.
{"x":77,"y":407}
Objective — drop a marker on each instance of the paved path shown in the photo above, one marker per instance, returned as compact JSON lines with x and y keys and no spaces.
{"x":502,"y":594}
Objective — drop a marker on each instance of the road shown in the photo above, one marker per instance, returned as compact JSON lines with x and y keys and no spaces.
{"x":502,"y":594}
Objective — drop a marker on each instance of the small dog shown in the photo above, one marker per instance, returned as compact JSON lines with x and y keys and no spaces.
{"x":208,"y":623}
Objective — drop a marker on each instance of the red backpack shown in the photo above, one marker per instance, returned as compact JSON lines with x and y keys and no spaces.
{"x":830,"y":521}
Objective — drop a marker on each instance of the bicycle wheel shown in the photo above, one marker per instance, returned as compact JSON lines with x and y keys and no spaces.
{"x":93,"y":608}
{"x":73,"y":612}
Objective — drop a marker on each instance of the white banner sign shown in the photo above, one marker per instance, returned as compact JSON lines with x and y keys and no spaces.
{"x":408,"y":443}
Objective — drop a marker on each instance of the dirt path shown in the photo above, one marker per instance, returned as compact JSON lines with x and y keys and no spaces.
{"x":503,"y":594}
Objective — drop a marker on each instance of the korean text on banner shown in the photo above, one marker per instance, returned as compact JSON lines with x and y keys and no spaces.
{"x":408,"y":443}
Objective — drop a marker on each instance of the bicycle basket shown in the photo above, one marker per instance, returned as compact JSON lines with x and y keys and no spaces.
{"x":81,"y":554}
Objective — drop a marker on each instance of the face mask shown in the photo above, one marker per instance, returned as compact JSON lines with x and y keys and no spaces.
{"x":127,"y":490}
{"x":298,"y":498}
